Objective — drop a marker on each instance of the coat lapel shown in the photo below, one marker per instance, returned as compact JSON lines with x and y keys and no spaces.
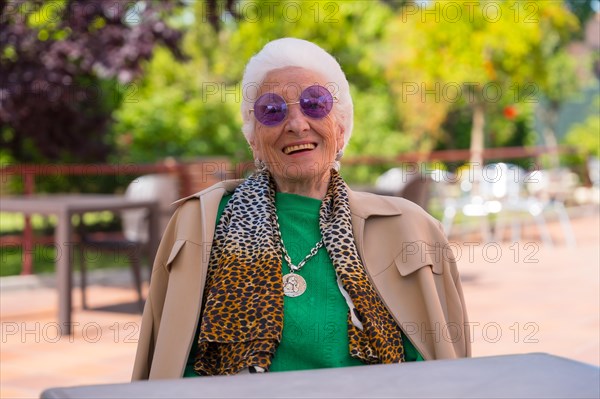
{"x":182,"y":305}
{"x":363,"y":206}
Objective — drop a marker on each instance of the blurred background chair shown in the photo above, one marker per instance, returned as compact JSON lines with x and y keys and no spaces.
{"x":502,"y":194}
{"x":504,"y":183}
{"x":466,"y":195}
{"x":593,"y":165}
{"x":550,"y":189}
{"x":494,"y":195}
{"x":585,"y":194}
{"x":437,"y":191}
{"x":133,"y":239}
{"x":412,"y":186}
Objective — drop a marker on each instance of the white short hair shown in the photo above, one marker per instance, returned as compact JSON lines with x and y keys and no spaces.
{"x":291,"y":52}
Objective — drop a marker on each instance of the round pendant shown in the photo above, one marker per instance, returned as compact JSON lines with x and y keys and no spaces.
{"x":293,"y":285}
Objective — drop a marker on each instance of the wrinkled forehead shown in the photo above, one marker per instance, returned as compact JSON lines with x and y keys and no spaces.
{"x":289,"y":82}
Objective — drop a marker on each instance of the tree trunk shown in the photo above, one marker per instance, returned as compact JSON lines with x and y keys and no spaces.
{"x":477,"y":144}
{"x":477,"y":135}
{"x":548,"y":117}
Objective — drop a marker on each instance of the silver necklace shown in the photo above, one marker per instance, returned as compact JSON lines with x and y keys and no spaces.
{"x":294,"y":284}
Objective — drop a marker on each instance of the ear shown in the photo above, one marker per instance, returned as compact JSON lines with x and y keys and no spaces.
{"x":254,"y":147}
{"x":340,"y":137}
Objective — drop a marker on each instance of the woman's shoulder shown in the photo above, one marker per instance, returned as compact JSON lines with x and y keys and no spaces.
{"x":217,"y":190}
{"x":200,"y":208}
{"x":403,"y":215}
{"x":187,"y":209}
{"x":371,"y":204}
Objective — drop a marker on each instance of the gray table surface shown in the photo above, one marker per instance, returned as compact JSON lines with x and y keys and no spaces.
{"x":534,"y":375}
{"x":64,"y":206}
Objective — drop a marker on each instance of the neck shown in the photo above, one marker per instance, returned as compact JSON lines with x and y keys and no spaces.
{"x":314,"y":188}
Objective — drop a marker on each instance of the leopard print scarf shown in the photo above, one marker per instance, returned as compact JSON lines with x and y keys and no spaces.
{"x":242,"y":321}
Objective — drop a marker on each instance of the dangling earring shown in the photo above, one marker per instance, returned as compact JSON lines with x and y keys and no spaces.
{"x":259,"y":165}
{"x":338,"y":157}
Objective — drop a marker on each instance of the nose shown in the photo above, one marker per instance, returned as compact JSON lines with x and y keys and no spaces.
{"x":296,"y":122}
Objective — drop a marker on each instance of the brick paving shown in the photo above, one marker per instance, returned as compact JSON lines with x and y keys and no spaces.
{"x":522,"y":297}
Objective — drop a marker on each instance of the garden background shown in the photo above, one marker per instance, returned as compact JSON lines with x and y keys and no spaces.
{"x":129,"y":83}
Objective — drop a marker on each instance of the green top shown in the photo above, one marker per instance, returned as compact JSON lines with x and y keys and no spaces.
{"x":315,"y":330}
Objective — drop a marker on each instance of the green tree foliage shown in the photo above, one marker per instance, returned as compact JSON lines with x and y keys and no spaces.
{"x":585,"y":136}
{"x":490,"y":57}
{"x":65,"y":66}
{"x":583,"y":10}
{"x":192,"y":109}
{"x":171,"y":116}
{"x":403,"y":62}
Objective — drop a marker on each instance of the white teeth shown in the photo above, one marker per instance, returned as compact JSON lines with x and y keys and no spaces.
{"x":292,"y":148}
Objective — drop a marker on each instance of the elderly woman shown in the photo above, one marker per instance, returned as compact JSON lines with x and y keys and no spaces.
{"x":290,"y":269}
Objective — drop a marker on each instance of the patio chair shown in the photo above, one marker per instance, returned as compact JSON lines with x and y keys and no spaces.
{"x":550,"y":188}
{"x":414,"y":187}
{"x":134,"y":238}
{"x":494,"y":190}
{"x":505,"y":184}
{"x":461,"y":197}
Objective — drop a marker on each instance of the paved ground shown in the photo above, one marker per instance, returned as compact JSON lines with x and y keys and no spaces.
{"x":522,"y":297}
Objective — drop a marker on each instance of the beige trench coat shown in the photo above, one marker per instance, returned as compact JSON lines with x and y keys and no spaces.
{"x":403,"y":250}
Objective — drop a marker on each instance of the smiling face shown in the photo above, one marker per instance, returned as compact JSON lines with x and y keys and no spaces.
{"x":300,"y":151}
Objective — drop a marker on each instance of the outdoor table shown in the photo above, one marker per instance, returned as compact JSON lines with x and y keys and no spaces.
{"x":510,"y":376}
{"x":64,"y":206}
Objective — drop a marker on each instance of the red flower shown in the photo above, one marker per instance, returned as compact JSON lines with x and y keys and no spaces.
{"x":510,"y":112}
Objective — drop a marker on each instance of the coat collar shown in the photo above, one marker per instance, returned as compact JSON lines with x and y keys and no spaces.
{"x":362,"y":204}
{"x":365,"y":205}
{"x":225,"y":187}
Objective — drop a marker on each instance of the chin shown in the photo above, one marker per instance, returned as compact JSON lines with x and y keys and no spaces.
{"x":295,"y":172}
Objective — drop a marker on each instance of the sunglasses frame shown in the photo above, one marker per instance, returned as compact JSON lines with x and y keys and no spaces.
{"x":334,"y":100}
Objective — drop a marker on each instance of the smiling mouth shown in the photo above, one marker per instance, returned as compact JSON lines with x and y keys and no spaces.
{"x":294,"y":149}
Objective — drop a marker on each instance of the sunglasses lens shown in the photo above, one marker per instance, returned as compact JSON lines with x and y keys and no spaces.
{"x":316,"y":101}
{"x":270,"y":109}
